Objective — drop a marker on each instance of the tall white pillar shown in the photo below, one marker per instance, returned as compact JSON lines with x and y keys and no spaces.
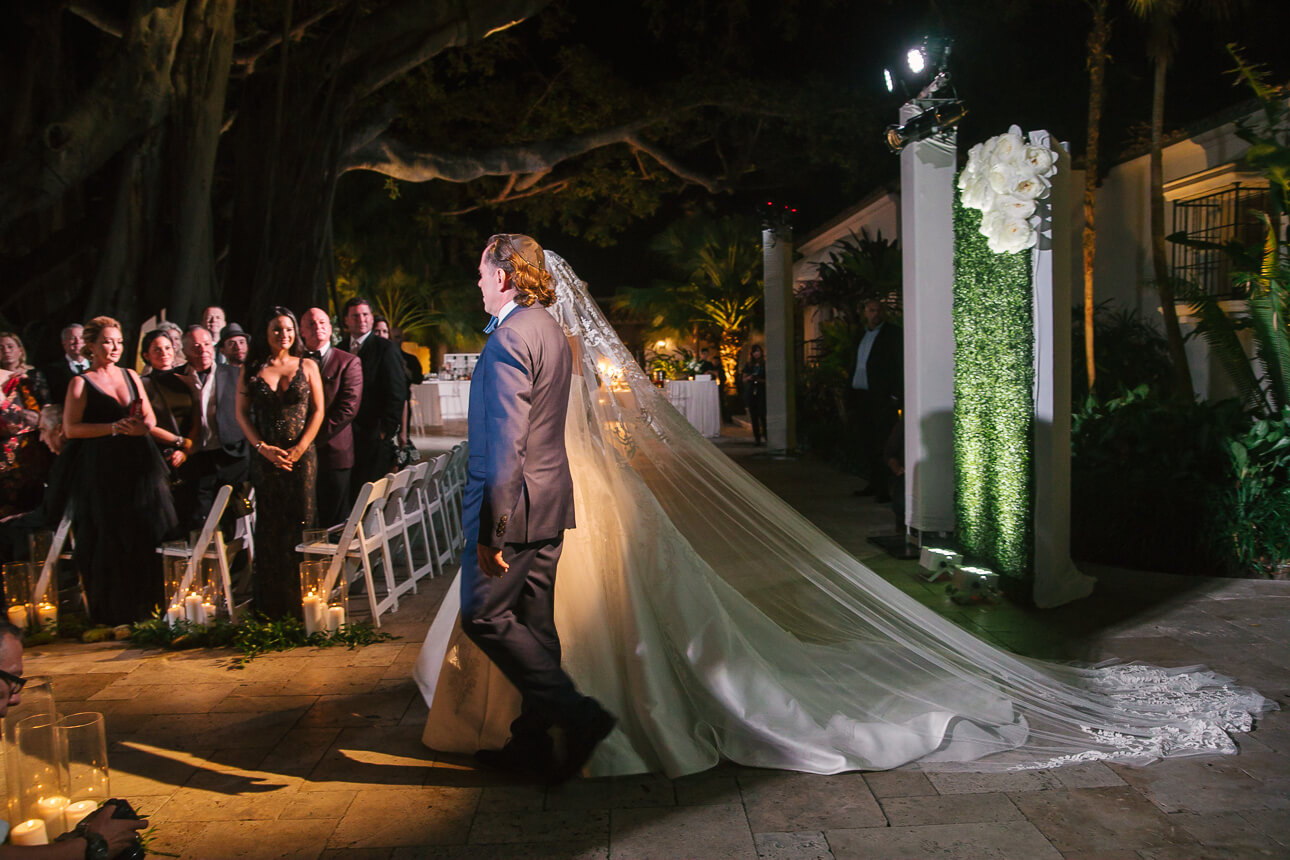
{"x":781,"y":363}
{"x":1057,"y":581}
{"x":927,"y":257}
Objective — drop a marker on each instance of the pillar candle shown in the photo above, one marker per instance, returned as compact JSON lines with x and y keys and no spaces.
{"x":30,"y":832}
{"x":175,"y":614}
{"x":208,"y":613}
{"x":47,"y":613}
{"x":193,"y":608}
{"x":77,"y":812}
{"x":18,"y":618}
{"x":335,"y":617}
{"x":310,"y":607}
{"x":51,"y":809}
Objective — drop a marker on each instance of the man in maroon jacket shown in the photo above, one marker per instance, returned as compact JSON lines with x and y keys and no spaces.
{"x":342,"y":377}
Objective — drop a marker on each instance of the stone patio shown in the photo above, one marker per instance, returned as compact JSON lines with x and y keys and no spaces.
{"x":316,"y":752}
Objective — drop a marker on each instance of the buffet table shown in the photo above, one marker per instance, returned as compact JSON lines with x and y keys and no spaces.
{"x":699,"y":401}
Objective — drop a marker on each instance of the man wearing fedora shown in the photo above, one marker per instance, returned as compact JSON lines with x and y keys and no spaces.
{"x":233,"y":344}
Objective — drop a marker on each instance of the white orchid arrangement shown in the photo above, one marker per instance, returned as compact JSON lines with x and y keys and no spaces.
{"x":1006,"y":177}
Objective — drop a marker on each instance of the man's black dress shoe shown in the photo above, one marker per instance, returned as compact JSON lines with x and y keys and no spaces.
{"x":580,"y":742}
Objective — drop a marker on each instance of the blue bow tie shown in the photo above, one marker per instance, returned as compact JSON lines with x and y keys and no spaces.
{"x":492,"y":324}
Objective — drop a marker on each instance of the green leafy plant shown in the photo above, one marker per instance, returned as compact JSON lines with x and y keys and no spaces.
{"x":1251,"y":517}
{"x":859,"y":269}
{"x":254,"y":636}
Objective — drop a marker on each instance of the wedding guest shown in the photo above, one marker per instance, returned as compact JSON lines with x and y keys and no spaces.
{"x":878,"y":386}
{"x":706,"y":364}
{"x":59,"y":373}
{"x":171,"y":399}
{"x":753,"y":377}
{"x":280,"y":409}
{"x":213,"y":320}
{"x":121,"y":503}
{"x":381,"y":327}
{"x":411,"y":369}
{"x":176,"y":336}
{"x":100,"y":835}
{"x":342,"y":380}
{"x":380,"y":413}
{"x":221,"y":454}
{"x":24,"y":462}
{"x":233,"y":345}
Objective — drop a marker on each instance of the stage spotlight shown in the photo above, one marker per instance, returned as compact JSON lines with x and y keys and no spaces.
{"x":887,"y":79}
{"x":934,"y":120}
{"x":916,"y":60}
{"x":921,"y":69}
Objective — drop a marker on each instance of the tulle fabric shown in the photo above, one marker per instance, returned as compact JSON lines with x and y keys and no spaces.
{"x":718,"y":623}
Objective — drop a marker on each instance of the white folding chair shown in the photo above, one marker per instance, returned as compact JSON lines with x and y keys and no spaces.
{"x":426,"y":485}
{"x":395,"y":524}
{"x":49,"y":568}
{"x":210,"y":545}
{"x":358,"y":538}
{"x":452,"y":484}
{"x":414,"y":516}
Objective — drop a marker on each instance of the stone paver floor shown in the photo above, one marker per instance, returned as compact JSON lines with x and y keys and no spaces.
{"x":316,"y":752}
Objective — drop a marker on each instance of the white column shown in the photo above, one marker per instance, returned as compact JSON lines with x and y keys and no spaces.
{"x":781,"y":364}
{"x":927,"y":257}
{"x":1056,"y":579}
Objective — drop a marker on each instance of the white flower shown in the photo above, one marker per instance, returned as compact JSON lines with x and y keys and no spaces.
{"x":1002,"y":177}
{"x":1009,"y":235}
{"x":1030,"y":187}
{"x":1014,"y":207}
{"x":1041,"y":160}
{"x":976,"y":193}
{"x":1008,"y":148}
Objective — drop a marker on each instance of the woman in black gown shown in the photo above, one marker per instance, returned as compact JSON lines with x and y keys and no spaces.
{"x":280,"y":408}
{"x":121,"y":505}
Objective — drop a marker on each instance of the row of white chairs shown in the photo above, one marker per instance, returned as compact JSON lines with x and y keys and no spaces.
{"x":388,"y":515}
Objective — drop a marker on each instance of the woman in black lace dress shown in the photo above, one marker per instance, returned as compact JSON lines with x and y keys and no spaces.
{"x":280,"y":408}
{"x":121,"y":505}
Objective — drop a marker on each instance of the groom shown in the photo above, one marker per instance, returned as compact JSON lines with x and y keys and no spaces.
{"x":518,"y":502}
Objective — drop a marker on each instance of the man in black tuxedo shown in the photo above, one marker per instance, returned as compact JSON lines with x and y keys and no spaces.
{"x":59,"y":373}
{"x":342,"y":377}
{"x":220,"y":455}
{"x":385,"y":391}
{"x":878,"y":387}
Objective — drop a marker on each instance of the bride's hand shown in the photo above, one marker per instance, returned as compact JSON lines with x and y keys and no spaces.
{"x":490,"y":560}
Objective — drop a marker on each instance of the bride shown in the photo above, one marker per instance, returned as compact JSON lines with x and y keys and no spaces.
{"x":720,"y":624}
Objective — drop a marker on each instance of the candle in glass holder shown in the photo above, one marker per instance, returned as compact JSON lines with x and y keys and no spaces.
{"x":310,"y":609}
{"x":18,"y":618}
{"x":335,"y":617}
{"x":51,"y":809}
{"x":30,"y":832}
{"x":77,"y":812}
{"x":174,"y":614}
{"x":47,"y":614}
{"x":208,"y":612}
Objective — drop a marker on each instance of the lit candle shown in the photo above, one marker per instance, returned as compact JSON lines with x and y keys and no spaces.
{"x":18,"y":618}
{"x":30,"y":832}
{"x":76,"y":812}
{"x":47,"y":613}
{"x":193,"y":608}
{"x":335,"y":617}
{"x":310,"y":606}
{"x":208,"y":613}
{"x":175,"y":614}
{"x":51,"y":809}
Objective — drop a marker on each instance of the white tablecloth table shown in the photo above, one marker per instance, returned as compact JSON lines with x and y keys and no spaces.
{"x":436,"y":401}
{"x":699,"y":401}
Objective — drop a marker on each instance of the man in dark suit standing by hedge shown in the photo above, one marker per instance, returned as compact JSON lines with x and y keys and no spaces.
{"x":878,"y":386}
{"x":385,"y":390}
{"x":342,"y":378}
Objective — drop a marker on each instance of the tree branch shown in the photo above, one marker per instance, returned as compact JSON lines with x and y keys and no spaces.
{"x":712,"y":184}
{"x":246,"y":57}
{"x":507,"y":197}
{"x":107,"y":20}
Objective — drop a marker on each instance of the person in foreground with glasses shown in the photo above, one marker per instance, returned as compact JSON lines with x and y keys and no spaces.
{"x":100,"y":836}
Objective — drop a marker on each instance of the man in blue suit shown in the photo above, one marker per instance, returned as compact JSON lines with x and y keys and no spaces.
{"x":518,"y":502}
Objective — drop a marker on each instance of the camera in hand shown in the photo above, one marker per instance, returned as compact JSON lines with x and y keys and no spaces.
{"x":125,"y":810}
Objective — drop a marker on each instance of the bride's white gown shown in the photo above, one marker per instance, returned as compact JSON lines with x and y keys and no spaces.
{"x":718,"y":623}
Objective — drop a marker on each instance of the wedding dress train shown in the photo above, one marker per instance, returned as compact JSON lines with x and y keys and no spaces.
{"x":718,"y":623}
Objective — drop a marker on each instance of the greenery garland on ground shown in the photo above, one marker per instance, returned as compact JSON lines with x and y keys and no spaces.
{"x":993,"y":399}
{"x":252,"y":637}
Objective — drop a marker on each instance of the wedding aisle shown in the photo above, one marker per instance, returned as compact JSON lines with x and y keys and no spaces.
{"x":316,"y":753}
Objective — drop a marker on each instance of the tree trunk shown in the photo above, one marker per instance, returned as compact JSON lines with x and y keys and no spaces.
{"x":1098,"y":38}
{"x":1159,"y":256}
{"x":731,"y":341}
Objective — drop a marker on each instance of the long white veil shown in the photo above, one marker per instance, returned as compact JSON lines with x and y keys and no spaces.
{"x":719,"y":622}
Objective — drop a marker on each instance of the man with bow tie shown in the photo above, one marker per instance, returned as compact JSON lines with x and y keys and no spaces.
{"x":385,"y":390}
{"x":342,"y":378}
{"x":59,"y":373}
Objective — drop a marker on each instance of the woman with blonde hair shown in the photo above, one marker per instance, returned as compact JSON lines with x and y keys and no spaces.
{"x":121,"y":504}
{"x":24,"y":462}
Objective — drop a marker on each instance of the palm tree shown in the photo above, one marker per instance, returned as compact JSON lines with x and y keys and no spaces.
{"x":1098,"y":37}
{"x":718,"y":264}
{"x":1159,"y":16}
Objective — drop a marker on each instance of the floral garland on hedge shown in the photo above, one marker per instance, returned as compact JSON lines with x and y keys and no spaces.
{"x":1005,"y":179}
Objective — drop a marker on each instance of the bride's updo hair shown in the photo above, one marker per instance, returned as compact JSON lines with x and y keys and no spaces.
{"x":93,"y":329}
{"x":521,"y":257}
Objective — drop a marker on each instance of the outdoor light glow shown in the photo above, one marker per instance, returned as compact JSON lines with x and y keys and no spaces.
{"x":917,"y":60}
{"x":886,"y":76}
{"x":993,"y":400}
